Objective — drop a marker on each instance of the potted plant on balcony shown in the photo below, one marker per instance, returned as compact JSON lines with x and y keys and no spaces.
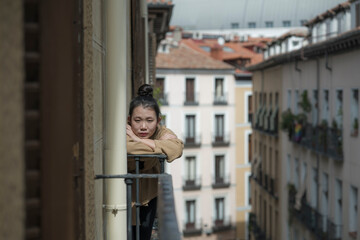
{"x":287,"y":122}
{"x":355,"y":130}
{"x":305,"y":102}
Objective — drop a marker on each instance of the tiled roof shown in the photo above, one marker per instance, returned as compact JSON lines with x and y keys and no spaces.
{"x":162,"y":2}
{"x":184,"y":57}
{"x":329,"y":13}
{"x":298,"y":32}
{"x":240,"y":50}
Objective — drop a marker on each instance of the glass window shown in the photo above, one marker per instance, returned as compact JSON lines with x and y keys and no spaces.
{"x":269,"y":24}
{"x":286,"y":23}
{"x":252,"y":24}
{"x":234,"y":25}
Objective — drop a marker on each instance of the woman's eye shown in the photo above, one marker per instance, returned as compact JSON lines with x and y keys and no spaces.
{"x":137,"y":120}
{"x":150,"y":120}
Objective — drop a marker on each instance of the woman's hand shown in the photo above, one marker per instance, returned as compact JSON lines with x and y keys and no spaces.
{"x":131,"y":134}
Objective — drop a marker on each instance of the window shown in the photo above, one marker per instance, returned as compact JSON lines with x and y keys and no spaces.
{"x":288,"y":168}
{"x":269,"y":24}
{"x":219,"y":169}
{"x":190,"y":215}
{"x":250,"y":110}
{"x":297,"y":173}
{"x":296,"y":102}
{"x":353,"y":212}
{"x":205,"y":48}
{"x":190,"y":98}
{"x":163,"y":120}
{"x":286,"y":23}
{"x":248,"y":183}
{"x":234,"y":25}
{"x":219,"y":128}
{"x":338,"y":206}
{"x":190,"y":171}
{"x":339,"y":108}
{"x":354,"y":112}
{"x":219,"y":96}
{"x":190,"y":129}
{"x":252,"y":25}
{"x":325,"y":199}
{"x":219,"y":211}
{"x":302,"y":22}
{"x":314,"y":109}
{"x":325,"y":107}
{"x":249,"y":151}
{"x":228,"y":49}
{"x":357,"y":15}
{"x":289,"y":99}
{"x":314,"y":187}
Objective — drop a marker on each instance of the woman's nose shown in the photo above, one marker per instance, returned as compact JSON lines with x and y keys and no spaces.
{"x":143,"y":125}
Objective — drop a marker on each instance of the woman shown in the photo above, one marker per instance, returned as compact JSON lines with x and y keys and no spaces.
{"x":146,"y":136}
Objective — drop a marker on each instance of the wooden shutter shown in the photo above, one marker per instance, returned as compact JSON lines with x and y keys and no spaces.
{"x":190,"y":96}
{"x":32,"y":119}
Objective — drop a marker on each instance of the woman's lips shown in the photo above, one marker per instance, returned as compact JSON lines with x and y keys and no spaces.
{"x":143,"y":134}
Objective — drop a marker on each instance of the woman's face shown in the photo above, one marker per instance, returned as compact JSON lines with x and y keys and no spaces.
{"x":143,"y":122}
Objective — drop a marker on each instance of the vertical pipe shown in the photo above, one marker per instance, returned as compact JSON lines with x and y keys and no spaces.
{"x":117,"y":31}
{"x":144,"y":15}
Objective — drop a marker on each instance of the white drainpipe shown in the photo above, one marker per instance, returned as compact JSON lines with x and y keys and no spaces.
{"x":117,"y":65}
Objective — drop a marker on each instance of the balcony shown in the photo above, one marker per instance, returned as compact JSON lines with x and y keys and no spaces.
{"x":221,"y":140}
{"x":191,"y":99}
{"x":223,"y":224}
{"x":315,"y":222}
{"x":221,"y":181}
{"x":192,"y":228}
{"x":220,"y":99}
{"x":192,"y":141}
{"x":168,"y":226}
{"x":323,"y":140}
{"x":191,"y":184}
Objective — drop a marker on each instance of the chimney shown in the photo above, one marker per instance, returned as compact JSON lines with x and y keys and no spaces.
{"x":216,"y":52}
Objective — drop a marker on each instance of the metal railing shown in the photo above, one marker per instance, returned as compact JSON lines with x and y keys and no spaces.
{"x":221,"y":181}
{"x":191,"y":183}
{"x":222,"y":224}
{"x":192,"y":228}
{"x":192,"y":141}
{"x":166,"y":207}
{"x":221,"y":139}
{"x":324,"y":140}
{"x":191,"y":99}
{"x":221,"y":99}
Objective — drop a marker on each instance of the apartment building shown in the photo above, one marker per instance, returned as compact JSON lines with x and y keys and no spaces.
{"x":196,"y":92}
{"x":316,"y":185}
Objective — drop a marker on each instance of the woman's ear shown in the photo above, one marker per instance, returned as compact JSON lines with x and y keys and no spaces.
{"x":159,"y":120}
{"x":129,"y":122}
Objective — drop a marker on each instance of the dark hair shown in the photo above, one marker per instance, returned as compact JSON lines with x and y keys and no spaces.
{"x":145,"y":99}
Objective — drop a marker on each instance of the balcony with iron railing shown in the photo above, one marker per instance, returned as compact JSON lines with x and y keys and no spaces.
{"x":320,"y":139}
{"x":266,"y":182}
{"x":220,"y":99}
{"x":192,"y":228}
{"x":166,"y":214}
{"x":321,"y":226}
{"x":191,"y":183}
{"x":221,"y":139}
{"x":191,"y":99}
{"x":222,"y":224}
{"x":221,"y":181}
{"x":192,"y":141}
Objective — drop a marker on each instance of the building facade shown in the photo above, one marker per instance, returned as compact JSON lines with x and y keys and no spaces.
{"x":198,"y":105}
{"x":317,"y":187}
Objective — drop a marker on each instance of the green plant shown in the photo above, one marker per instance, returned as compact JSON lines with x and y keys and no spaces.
{"x":287,"y":119}
{"x":301,"y":118}
{"x":324,"y":124}
{"x":356,"y":124}
{"x":305,"y":102}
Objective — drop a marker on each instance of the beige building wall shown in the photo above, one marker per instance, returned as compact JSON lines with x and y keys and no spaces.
{"x":12,"y":190}
{"x":243,"y":131}
{"x":266,"y":146}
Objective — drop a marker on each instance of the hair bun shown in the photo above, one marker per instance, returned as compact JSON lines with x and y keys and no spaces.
{"x":145,"y":90}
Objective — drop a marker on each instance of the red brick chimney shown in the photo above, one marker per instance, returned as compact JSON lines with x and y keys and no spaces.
{"x":216,"y":52}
